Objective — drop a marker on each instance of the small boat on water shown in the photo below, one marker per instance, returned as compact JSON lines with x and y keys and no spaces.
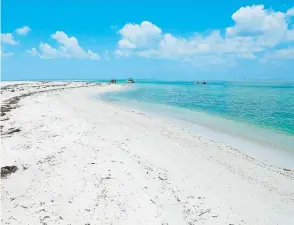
{"x":203,"y":82}
{"x":130,"y":80}
{"x":112,"y":81}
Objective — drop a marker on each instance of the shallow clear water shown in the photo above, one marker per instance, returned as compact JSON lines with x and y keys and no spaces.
{"x":263,"y":112}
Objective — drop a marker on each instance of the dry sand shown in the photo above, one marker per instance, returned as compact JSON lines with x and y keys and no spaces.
{"x":84,"y":161}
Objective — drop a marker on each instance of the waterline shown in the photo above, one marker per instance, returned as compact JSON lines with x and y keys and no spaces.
{"x":233,"y":119}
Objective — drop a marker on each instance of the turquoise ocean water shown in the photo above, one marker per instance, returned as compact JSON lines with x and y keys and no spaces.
{"x":260,"y":112}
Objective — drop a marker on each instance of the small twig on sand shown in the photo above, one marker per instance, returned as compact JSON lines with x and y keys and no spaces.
{"x":11,"y":131}
{"x":204,"y":212}
{"x":162,"y":178}
{"x":106,"y":178}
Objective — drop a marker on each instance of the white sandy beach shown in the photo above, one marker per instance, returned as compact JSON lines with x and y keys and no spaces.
{"x":84,"y":161}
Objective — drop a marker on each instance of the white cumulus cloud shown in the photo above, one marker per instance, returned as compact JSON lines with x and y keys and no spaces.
{"x":68,"y":47}
{"x":290,"y":12}
{"x":138,"y":35}
{"x":256,"y":30}
{"x":23,"y":30}
{"x":33,"y":52}
{"x":270,"y":27}
{"x":48,"y":52}
{"x":285,"y":53}
{"x":255,"y":20}
{"x":8,"y":38}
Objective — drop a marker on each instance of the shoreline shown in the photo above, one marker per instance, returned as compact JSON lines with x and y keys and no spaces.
{"x":89,"y":161}
{"x":232,"y":133}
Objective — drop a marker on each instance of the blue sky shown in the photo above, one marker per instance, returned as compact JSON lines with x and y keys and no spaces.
{"x":178,"y":40}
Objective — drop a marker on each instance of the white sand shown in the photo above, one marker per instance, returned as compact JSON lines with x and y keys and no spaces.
{"x":85,"y":161}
